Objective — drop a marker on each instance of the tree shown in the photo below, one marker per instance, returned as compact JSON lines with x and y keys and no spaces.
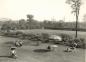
{"x":30,"y":17}
{"x":30,"y":20}
{"x":32,"y":23}
{"x":22,"y":24}
{"x":61,"y":23}
{"x":6,"y":26}
{"x":75,"y":5}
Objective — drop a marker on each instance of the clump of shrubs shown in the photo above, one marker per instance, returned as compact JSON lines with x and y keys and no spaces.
{"x":44,"y":38}
{"x":13,"y":34}
{"x":65,"y":37}
{"x":69,"y":40}
{"x":81,"y":43}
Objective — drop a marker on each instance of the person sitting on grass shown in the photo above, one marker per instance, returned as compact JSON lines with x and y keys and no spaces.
{"x":49,"y":47}
{"x":72,"y":48}
{"x":68,"y":49}
{"x":18,"y":43}
{"x":21,"y":43}
{"x":13,"y":52}
{"x":52,"y":47}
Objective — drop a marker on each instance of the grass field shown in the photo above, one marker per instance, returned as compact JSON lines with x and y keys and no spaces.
{"x":29,"y":53}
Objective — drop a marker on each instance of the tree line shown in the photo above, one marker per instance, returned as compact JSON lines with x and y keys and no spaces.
{"x":31,"y":23}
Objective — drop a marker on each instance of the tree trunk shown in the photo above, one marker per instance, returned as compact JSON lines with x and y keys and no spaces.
{"x":77,"y":15}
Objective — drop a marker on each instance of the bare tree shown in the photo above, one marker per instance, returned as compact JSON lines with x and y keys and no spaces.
{"x":75,"y":5}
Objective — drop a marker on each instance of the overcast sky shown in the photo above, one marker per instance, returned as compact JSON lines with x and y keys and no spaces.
{"x":41,"y":9}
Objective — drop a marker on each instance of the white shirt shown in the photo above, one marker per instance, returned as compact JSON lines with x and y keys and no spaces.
{"x":13,"y":51}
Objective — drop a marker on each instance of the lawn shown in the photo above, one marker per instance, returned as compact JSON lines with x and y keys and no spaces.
{"x":28,"y":53}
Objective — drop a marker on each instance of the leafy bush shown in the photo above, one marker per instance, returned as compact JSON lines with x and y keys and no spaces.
{"x":10,"y":34}
{"x":44,"y":37}
{"x":18,"y":32}
{"x":81,"y":43}
{"x":13,"y":34}
{"x":69,"y":41}
{"x":65,"y":37}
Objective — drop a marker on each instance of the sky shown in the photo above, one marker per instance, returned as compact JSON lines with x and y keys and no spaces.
{"x":41,"y":9}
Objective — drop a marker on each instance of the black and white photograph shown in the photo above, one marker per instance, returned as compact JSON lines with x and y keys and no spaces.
{"x":42,"y":30}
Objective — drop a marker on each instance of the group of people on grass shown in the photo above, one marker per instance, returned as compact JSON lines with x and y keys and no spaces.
{"x":17,"y":44}
{"x":49,"y":47}
{"x":71,"y":48}
{"x":68,"y":49}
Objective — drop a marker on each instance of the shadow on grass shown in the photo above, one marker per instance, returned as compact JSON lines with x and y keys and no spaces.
{"x":8,"y":57}
{"x":67,"y":51}
{"x":41,"y":50}
{"x":5,"y":56}
{"x":9,"y":43}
